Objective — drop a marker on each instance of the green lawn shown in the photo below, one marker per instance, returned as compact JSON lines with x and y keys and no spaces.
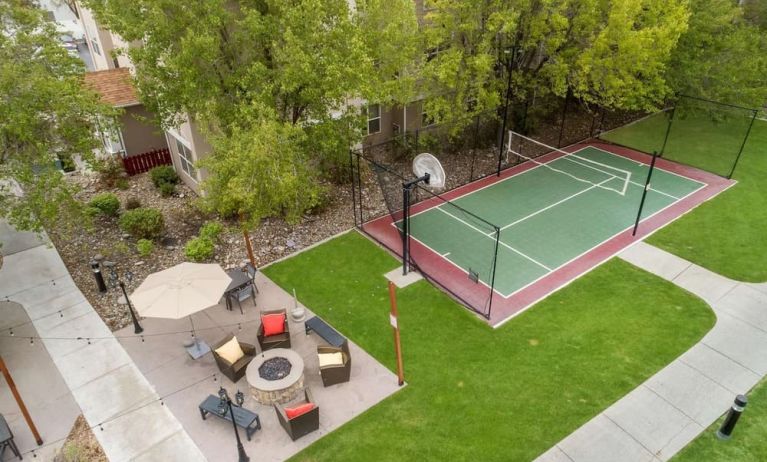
{"x":726,"y":234}
{"x":748,"y":441}
{"x":476,"y":393}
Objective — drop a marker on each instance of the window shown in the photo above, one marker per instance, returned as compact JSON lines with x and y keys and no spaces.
{"x":185,"y":159}
{"x":374,"y":118}
{"x":95,"y":45}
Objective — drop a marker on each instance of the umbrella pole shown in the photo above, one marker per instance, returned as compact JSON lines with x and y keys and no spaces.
{"x":194,"y":336}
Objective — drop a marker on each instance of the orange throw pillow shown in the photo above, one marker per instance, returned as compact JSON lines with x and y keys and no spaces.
{"x":293,"y":412}
{"x":274,"y":324}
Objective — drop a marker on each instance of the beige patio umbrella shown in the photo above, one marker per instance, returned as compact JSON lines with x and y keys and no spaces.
{"x":181,"y":291}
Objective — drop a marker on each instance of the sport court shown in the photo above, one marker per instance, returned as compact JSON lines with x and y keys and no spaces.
{"x":546,"y":217}
{"x":558,"y":216}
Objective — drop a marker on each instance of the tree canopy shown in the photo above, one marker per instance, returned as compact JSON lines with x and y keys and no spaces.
{"x":608,"y":53}
{"x":45,"y":115}
{"x":242,"y":68}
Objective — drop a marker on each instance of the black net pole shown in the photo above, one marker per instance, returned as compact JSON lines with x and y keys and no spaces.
{"x":644,"y":193}
{"x":510,"y":67}
{"x":405,"y":228}
{"x":742,"y":145}
{"x":474,"y":149}
{"x":359,"y":191}
{"x":352,"y":170}
{"x":564,"y":117}
{"x":492,"y":277}
{"x":668,"y":132}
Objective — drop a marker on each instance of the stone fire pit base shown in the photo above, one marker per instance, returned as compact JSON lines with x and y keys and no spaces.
{"x":276,"y":391}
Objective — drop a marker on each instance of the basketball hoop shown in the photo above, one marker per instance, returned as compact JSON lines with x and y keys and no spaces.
{"x":426,"y":163}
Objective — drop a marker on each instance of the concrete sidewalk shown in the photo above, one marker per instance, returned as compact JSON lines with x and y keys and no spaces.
{"x":661,"y":416}
{"x":106,"y":384}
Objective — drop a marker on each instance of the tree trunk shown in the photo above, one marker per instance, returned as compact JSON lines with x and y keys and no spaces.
{"x":248,"y":245}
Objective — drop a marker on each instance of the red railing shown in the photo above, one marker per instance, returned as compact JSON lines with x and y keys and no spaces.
{"x":144,"y":162}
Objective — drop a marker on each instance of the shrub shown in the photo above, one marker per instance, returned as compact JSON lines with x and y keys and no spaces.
{"x":164,"y":174}
{"x":122,"y":183}
{"x":211,"y":230}
{"x":132,"y":203}
{"x":110,"y":171}
{"x":91,"y":211}
{"x":199,"y":249}
{"x":167,"y":189}
{"x":106,"y":203}
{"x":145,"y":247}
{"x":143,"y":223}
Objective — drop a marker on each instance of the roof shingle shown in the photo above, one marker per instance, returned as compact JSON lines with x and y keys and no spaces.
{"x":114,"y":86}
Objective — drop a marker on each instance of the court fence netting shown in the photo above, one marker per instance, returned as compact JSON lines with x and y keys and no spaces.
{"x":477,"y":147}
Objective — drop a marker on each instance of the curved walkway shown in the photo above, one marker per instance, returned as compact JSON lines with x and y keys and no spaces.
{"x":106,"y":384}
{"x":670,"y":409}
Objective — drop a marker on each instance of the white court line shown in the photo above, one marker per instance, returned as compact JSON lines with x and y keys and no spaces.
{"x":554,"y":204}
{"x":499,"y":241}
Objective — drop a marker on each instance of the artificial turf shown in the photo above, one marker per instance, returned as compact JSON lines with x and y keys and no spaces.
{"x":748,"y":441}
{"x":726,"y":234}
{"x":475,"y":393}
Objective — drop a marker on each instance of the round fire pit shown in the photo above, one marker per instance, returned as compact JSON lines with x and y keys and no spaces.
{"x":275,"y":376}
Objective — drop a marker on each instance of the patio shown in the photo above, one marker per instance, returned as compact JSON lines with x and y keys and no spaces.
{"x":168,"y":367}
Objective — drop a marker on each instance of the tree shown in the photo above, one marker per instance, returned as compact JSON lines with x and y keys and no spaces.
{"x":721,"y":56}
{"x":272,"y":84}
{"x":608,"y":53}
{"x":45,"y":115}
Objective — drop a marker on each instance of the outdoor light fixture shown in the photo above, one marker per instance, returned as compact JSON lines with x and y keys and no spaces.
{"x":98,"y":276}
{"x":227,"y":402}
{"x":239,"y":398}
{"x":114,"y":280}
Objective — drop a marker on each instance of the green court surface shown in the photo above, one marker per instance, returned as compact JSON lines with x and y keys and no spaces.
{"x":548,"y":216}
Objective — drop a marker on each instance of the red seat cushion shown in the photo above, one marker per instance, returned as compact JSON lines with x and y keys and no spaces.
{"x":274,"y":324}
{"x":293,"y":412}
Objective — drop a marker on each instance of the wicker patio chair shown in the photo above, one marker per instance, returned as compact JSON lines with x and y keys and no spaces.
{"x":282,"y":340}
{"x":303,"y":424}
{"x":333,"y":374}
{"x":237,"y":370}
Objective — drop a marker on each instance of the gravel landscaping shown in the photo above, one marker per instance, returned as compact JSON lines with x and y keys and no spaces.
{"x":273,"y":239}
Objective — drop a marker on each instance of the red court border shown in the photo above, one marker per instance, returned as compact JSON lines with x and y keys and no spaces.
{"x":455,"y":280}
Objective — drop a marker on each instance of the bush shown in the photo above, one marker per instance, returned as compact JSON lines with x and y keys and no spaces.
{"x":110,"y":171}
{"x":167,"y":189}
{"x":164,"y":174}
{"x":143,"y":223}
{"x":199,"y":249}
{"x":122,"y":183}
{"x":211,"y":230}
{"x":132,"y":203}
{"x":145,"y":247}
{"x":106,"y":203}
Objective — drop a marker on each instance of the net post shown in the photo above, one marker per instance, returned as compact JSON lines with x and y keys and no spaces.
{"x":668,"y":132}
{"x":405,"y":228}
{"x":742,"y":145}
{"x":495,"y":263}
{"x":564,"y":117}
{"x":644,"y":193}
{"x":354,"y":192}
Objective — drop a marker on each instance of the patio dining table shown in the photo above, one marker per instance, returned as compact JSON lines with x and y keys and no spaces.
{"x":240,"y":280}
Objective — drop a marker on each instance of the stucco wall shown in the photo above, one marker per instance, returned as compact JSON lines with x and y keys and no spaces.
{"x":140,"y":135}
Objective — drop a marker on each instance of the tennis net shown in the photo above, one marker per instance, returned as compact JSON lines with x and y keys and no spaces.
{"x":595,"y":173}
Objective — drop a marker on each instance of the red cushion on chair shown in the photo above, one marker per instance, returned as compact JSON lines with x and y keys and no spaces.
{"x":293,"y":412}
{"x":274,"y":324}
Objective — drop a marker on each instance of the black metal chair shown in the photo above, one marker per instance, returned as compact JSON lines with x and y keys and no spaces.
{"x":6,"y":439}
{"x":251,"y":270}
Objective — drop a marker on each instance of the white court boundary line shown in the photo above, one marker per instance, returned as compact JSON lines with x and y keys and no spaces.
{"x":676,"y":200}
{"x":490,"y":237}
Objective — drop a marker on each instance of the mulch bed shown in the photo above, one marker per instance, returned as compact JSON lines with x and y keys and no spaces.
{"x":81,"y":445}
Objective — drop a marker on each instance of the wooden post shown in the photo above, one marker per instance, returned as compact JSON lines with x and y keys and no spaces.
{"x":20,"y":402}
{"x":395,"y":327}
{"x":248,"y":245}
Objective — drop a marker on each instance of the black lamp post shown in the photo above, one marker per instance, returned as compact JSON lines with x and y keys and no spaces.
{"x":96,"y":267}
{"x":226,"y":405}
{"x":114,"y":280}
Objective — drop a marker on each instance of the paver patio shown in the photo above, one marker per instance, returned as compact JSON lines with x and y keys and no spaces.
{"x":167,"y":366}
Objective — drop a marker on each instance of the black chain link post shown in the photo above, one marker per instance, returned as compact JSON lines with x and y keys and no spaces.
{"x":725,"y":431}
